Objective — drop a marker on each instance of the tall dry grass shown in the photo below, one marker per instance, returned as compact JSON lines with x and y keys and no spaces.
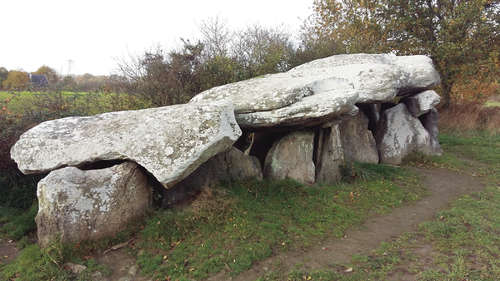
{"x":470,"y":116}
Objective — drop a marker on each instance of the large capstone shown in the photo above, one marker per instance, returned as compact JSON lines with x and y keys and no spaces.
{"x":422,"y":103}
{"x":358,"y":142}
{"x":292,"y":157}
{"x":169,"y":142}
{"x":77,"y":205}
{"x":324,"y":89}
{"x":400,"y":134}
{"x":329,"y":155}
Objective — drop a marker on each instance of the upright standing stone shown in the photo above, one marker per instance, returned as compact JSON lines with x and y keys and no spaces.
{"x":430,"y":122}
{"x":77,"y":205}
{"x":292,"y":157}
{"x":400,"y":134}
{"x":357,"y":141}
{"x":330,"y":156}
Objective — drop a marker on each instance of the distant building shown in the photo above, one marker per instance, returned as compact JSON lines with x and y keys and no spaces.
{"x":38,"y":81}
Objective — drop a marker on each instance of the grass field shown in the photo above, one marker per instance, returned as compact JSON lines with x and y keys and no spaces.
{"x":493,"y":103}
{"x":81,"y":103}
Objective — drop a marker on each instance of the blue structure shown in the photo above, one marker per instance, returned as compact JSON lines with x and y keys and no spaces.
{"x":38,"y":81}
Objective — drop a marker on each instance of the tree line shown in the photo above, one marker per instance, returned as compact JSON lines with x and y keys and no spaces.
{"x":19,"y":80}
{"x":461,"y":37}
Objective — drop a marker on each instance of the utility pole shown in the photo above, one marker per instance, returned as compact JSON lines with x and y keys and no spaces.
{"x":70,"y":63}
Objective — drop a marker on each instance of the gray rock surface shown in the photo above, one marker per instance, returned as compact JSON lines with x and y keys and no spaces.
{"x":292,"y":157}
{"x":323,"y":89}
{"x":170,"y":142}
{"x":330,"y":156}
{"x":419,"y":72}
{"x":358,"y":142}
{"x":76,"y":205}
{"x":422,"y":103}
{"x":430,"y":122}
{"x":311,"y":110}
{"x":400,"y":134}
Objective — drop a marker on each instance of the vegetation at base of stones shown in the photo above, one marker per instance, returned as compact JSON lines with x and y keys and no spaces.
{"x":232,"y":227}
{"x":461,"y":243}
{"x":50,"y":263}
{"x":34,"y":264}
{"x":461,"y":37}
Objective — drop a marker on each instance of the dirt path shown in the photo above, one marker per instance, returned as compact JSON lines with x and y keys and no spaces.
{"x":8,"y":251}
{"x":444,"y":186}
{"x":122,"y":265}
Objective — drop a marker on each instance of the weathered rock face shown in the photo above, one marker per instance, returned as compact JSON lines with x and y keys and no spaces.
{"x":358,"y":142}
{"x":330,"y":156}
{"x":422,"y":103}
{"x":420,"y":73}
{"x":430,"y":122}
{"x":292,"y":157}
{"x":231,"y":165}
{"x":234,"y":165}
{"x":400,"y":134}
{"x":170,"y":142}
{"x":310,"y":110}
{"x":77,"y":205}
{"x":323,"y":89}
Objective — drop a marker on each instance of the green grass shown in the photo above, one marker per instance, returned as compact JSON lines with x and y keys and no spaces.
{"x":79,"y":103}
{"x":246,"y":222}
{"x":492,"y":103}
{"x":479,"y":146}
{"x":35,"y":264}
{"x":233,"y":226}
{"x":17,"y":223}
{"x":464,"y":240}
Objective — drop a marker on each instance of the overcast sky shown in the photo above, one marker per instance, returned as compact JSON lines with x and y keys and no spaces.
{"x":93,"y":34}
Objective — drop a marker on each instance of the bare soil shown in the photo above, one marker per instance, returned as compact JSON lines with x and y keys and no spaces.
{"x":8,"y":251}
{"x":443,"y":185}
{"x":123,"y":266}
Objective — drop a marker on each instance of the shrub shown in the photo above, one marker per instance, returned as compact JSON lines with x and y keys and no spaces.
{"x":470,"y":116}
